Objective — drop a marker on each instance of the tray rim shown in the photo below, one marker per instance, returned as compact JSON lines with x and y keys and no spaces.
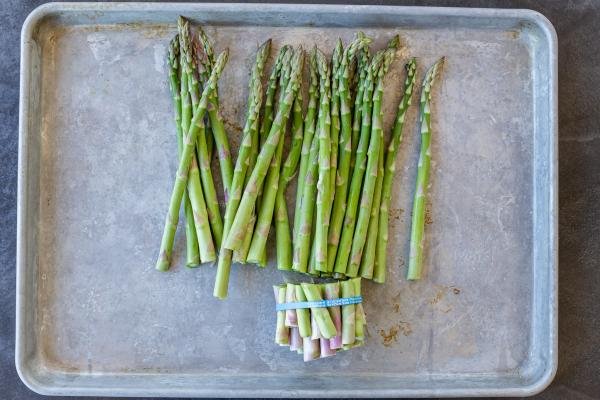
{"x":28,"y":376}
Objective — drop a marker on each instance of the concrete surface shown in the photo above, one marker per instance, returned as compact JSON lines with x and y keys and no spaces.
{"x":579,"y":81}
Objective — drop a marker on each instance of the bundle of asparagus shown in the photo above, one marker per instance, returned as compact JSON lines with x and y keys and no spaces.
{"x":317,"y":320}
{"x":193,"y":76}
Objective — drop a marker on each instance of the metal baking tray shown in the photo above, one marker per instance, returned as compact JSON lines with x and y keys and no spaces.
{"x":96,"y":163}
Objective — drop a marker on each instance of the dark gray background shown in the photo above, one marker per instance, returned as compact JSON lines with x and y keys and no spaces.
{"x":577,"y":24}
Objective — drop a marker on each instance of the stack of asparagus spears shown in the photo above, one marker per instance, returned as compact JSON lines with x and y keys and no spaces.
{"x":345,"y":169}
{"x":319,"y":332}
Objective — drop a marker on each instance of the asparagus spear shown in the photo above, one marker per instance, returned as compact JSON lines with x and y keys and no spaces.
{"x":376,"y":139}
{"x":367,"y":262}
{"x":324,"y":321}
{"x":341,"y":185}
{"x":336,"y":61}
{"x":205,"y":59}
{"x":270,"y":188}
{"x":181,"y":178}
{"x":254,"y":102}
{"x":282,"y":332}
{"x":248,"y":201}
{"x":348,"y":314}
{"x":363,"y":68}
{"x":343,"y":252}
{"x":415,"y":262}
{"x":390,"y":169}
{"x":193,"y":257}
{"x":282,"y":224}
{"x":309,"y":131}
{"x":208,"y":185}
{"x":267,"y":119}
{"x":302,"y":314}
{"x":323,"y":188}
{"x":302,"y":244}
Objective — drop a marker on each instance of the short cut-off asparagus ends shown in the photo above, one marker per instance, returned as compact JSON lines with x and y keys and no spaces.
{"x":380,"y":268}
{"x":348,"y":314}
{"x":302,"y":314}
{"x":323,"y":187}
{"x":192,"y":254}
{"x":282,"y":223}
{"x":237,"y":184}
{"x":181,"y":177}
{"x":345,"y":150}
{"x":282,"y":332}
{"x":324,"y":321}
{"x":343,"y":252}
{"x":248,"y":201}
{"x":188,"y":65}
{"x":370,"y":180}
{"x":415,"y":261}
{"x":332,"y":291}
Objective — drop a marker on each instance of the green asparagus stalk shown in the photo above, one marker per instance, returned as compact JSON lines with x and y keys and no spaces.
{"x":390,"y":169}
{"x":282,"y":224}
{"x":348,"y":314}
{"x":309,"y":131}
{"x":336,"y":61}
{"x":181,"y":177}
{"x":302,"y":245}
{"x":208,"y":185}
{"x":302,"y":314}
{"x":341,"y":184}
{"x":270,"y":187}
{"x":367,"y":262}
{"x":193,"y":258}
{"x":323,"y":188}
{"x":254,"y":103}
{"x":267,"y":119}
{"x":359,"y":333}
{"x":205,"y":58}
{"x":363,"y":68}
{"x":324,"y":321}
{"x":241,"y":255}
{"x":415,"y":262}
{"x":282,"y":332}
{"x":343,"y":252}
{"x":376,"y":139}
{"x":248,"y":201}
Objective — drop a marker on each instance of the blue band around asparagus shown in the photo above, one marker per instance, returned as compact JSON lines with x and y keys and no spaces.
{"x":344,"y":301}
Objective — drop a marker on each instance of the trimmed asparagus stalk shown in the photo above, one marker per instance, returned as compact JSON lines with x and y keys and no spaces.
{"x":282,"y":223}
{"x":248,"y":201}
{"x":341,"y":184}
{"x":216,"y":122}
{"x":208,"y":186}
{"x":309,"y":131}
{"x":302,"y":314}
{"x":367,"y":262}
{"x":193,"y":257}
{"x":311,"y":350}
{"x":415,"y":262}
{"x":291,"y":318}
{"x":343,"y":252}
{"x":332,"y":291}
{"x":254,"y":102}
{"x":302,"y":245}
{"x":390,"y":169}
{"x":282,"y":333}
{"x":348,"y":314}
{"x":323,"y":188}
{"x":324,"y":321}
{"x":376,"y":139}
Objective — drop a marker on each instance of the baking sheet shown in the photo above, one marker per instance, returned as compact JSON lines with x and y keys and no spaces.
{"x":96,"y":165}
